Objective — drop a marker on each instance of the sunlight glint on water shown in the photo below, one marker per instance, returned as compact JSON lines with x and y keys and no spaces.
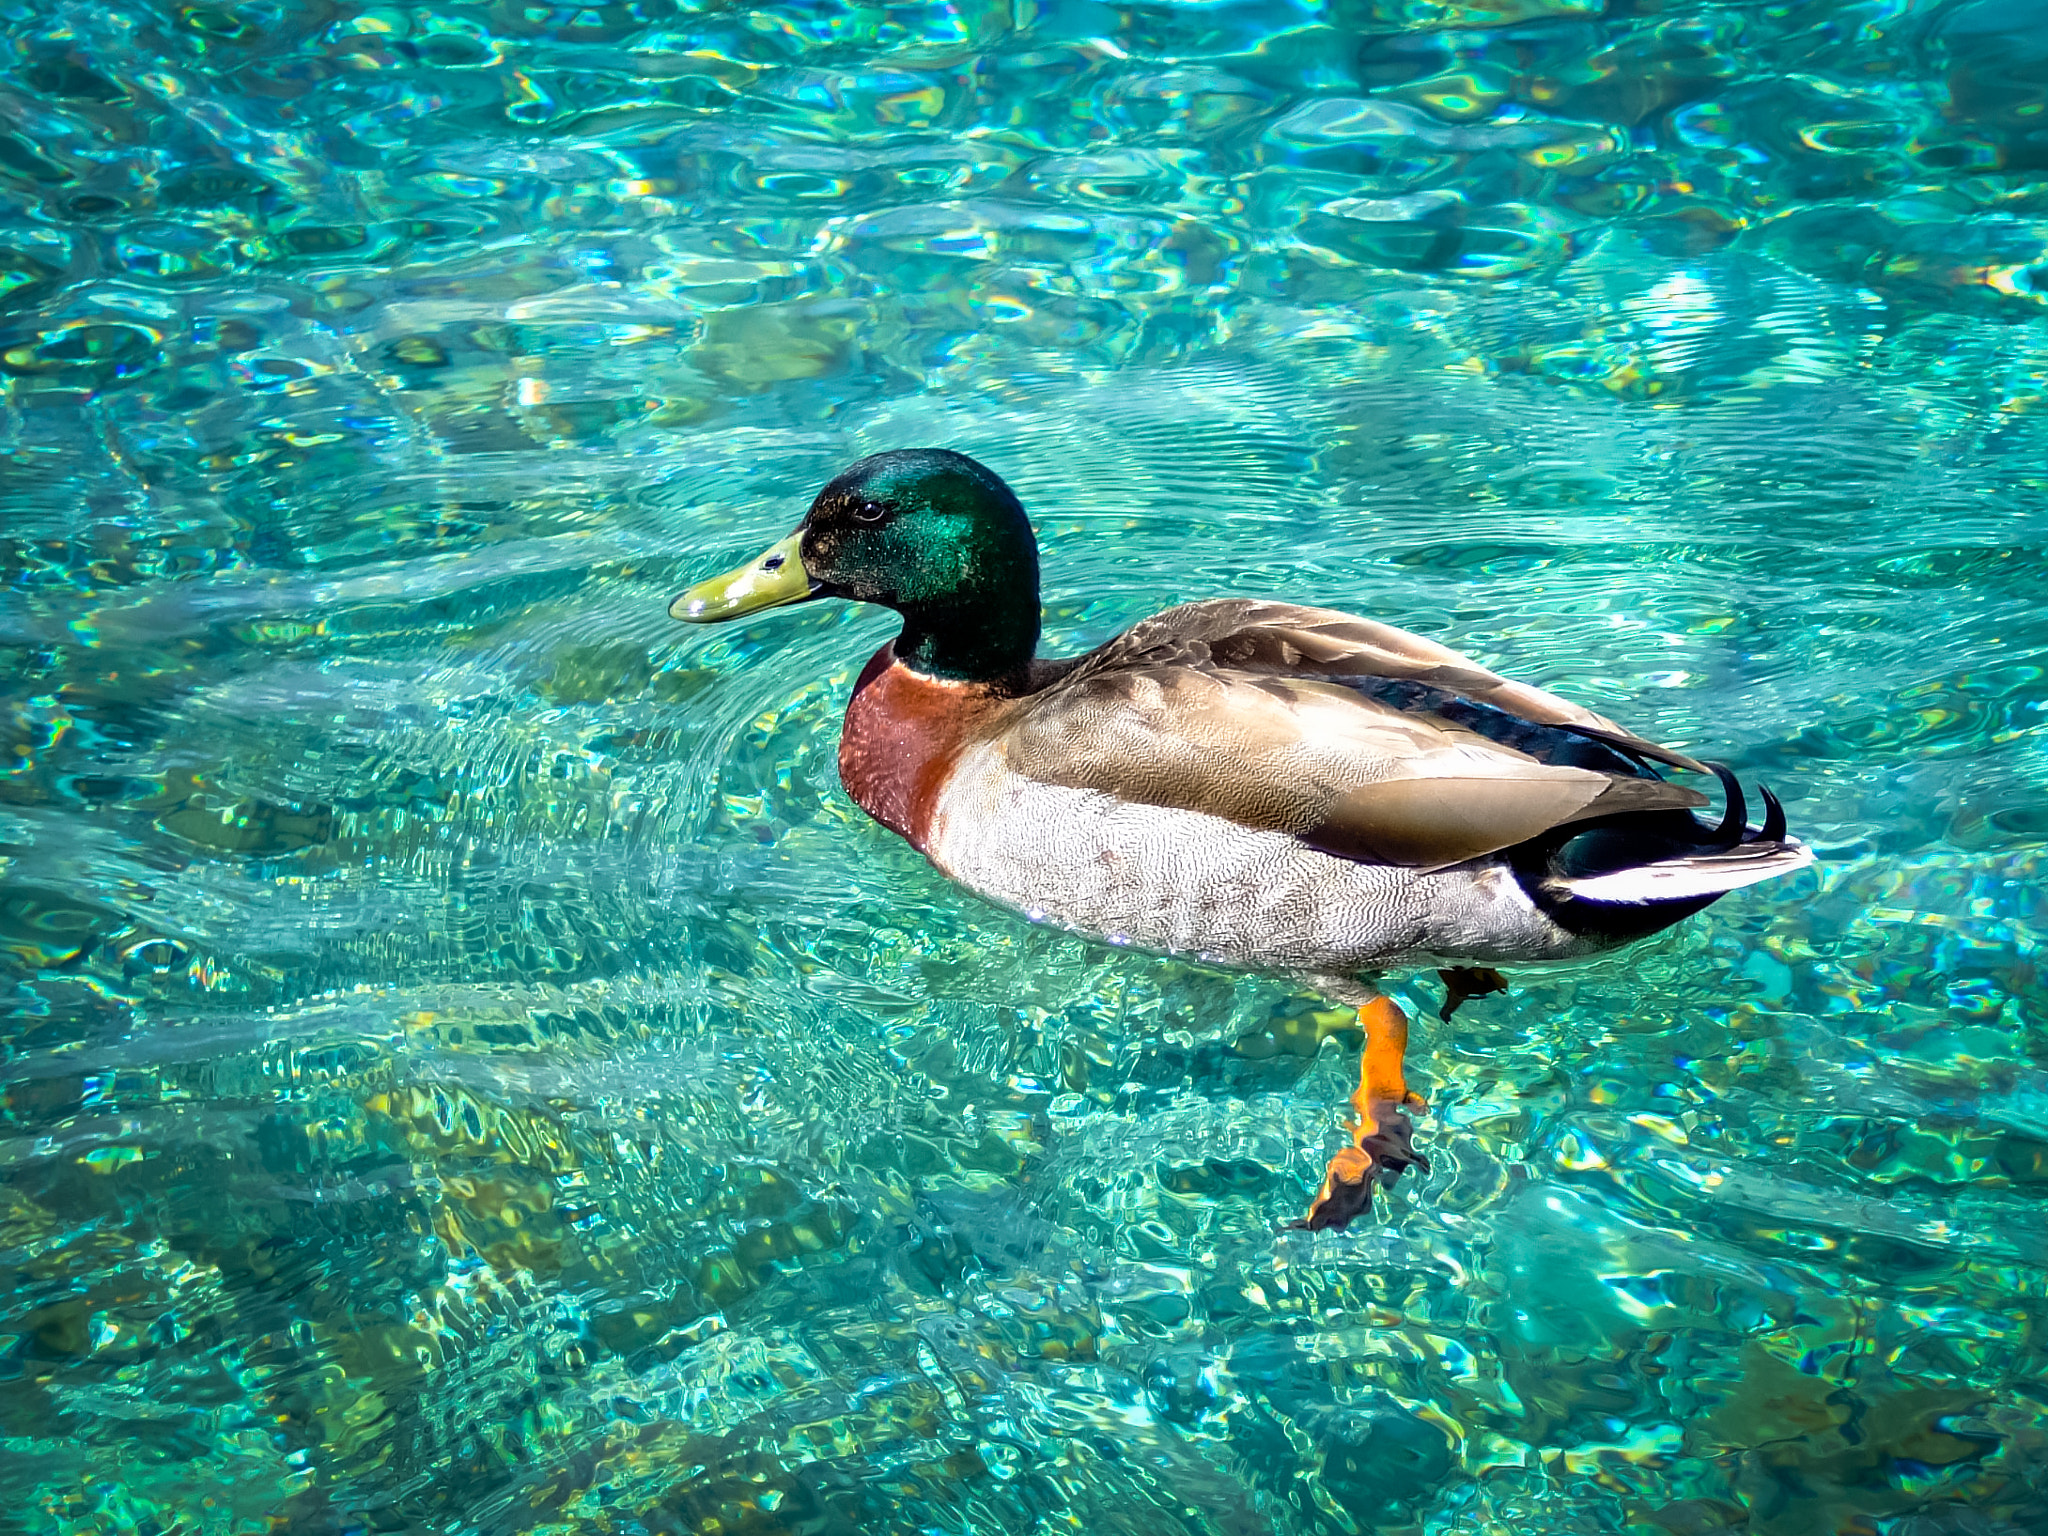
{"x":469,"y":1068}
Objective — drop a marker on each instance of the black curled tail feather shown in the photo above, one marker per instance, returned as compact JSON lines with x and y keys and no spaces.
{"x":1734,"y":831}
{"x":1734,"y":820}
{"x":1630,"y":874}
{"x":1773,"y":829}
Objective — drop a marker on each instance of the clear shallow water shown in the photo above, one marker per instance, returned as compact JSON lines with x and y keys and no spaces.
{"x":468,"y":1066}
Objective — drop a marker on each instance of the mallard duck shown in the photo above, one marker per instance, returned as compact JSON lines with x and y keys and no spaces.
{"x":1253,"y":783}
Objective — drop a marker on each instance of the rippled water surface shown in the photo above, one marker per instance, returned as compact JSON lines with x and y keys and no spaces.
{"x":469,"y":1068}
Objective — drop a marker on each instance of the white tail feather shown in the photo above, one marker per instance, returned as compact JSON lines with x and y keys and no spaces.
{"x":1699,"y":874}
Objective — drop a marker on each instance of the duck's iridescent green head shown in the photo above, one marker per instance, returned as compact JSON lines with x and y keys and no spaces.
{"x":925,"y":531}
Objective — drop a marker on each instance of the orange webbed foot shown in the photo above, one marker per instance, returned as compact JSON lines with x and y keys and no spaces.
{"x":1382,"y":1138}
{"x":1346,"y":1193}
{"x":1391,"y":1145}
{"x":1464,"y":982}
{"x":1376,"y":1160}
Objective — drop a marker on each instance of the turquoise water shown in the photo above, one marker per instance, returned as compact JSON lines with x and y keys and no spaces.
{"x":469,"y":1068}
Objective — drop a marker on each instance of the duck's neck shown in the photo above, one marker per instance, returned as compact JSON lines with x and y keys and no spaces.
{"x":986,"y":636}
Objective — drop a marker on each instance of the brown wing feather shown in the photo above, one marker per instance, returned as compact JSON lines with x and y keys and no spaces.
{"x":1248,"y":635}
{"x":1161,"y":717}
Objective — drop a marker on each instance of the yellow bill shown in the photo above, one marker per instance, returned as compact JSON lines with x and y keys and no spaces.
{"x":774,"y":577}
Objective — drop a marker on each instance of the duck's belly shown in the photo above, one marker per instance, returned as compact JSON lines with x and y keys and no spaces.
{"x":1188,"y":883}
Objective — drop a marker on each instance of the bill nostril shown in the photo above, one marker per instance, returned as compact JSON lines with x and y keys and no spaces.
{"x":772,"y":563}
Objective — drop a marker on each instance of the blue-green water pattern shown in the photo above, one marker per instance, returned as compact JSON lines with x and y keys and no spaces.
{"x":470,"y":1069}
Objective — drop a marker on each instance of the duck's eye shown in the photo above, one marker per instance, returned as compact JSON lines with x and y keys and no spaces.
{"x":869,"y":512}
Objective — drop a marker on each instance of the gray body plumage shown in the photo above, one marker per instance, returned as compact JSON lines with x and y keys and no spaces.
{"x":1268,"y":786}
{"x":1183,"y":882}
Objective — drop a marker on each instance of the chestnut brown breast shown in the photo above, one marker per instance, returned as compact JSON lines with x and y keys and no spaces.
{"x":903,"y":733}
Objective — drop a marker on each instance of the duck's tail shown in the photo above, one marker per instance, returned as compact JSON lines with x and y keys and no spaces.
{"x":1635,"y":873}
{"x":1691,"y":875}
